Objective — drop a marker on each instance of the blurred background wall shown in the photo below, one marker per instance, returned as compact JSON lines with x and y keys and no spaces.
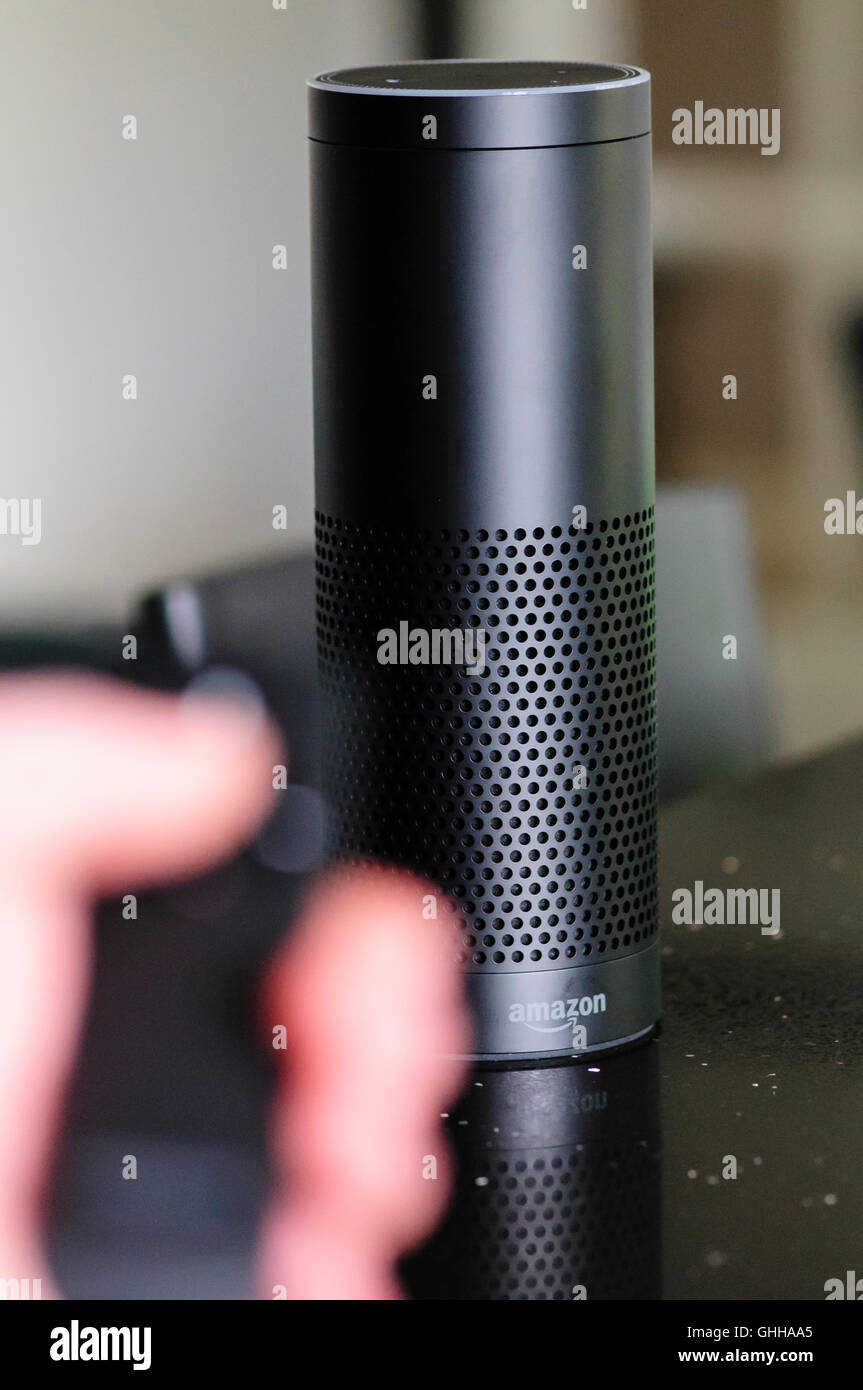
{"x":154,"y":257}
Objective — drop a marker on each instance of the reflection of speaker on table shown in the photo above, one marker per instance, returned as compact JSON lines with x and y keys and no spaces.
{"x":557,"y":1187}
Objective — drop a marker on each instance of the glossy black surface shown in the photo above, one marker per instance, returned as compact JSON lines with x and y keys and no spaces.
{"x":761,"y":1054}
{"x":760,"y":1059}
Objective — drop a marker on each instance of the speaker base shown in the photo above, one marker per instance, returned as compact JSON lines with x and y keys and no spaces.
{"x":536,"y":1060}
{"x":572,"y":1012}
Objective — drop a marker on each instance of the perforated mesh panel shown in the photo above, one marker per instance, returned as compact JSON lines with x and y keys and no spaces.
{"x":473,"y":780}
{"x":533,"y":1225}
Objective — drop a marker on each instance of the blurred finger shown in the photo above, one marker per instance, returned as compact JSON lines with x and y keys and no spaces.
{"x":101,"y":786}
{"x":371,"y":1000}
{"x":102,"y":781}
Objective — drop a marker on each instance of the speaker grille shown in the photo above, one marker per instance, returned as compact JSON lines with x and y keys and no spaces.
{"x":474,"y":779}
{"x":535,"y":1224}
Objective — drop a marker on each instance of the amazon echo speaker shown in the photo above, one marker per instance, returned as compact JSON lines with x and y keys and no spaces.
{"x":483,"y":383}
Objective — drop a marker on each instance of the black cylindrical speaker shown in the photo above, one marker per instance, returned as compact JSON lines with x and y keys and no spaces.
{"x":483,"y":368}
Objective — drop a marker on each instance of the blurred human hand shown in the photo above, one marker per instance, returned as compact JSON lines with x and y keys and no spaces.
{"x":103,"y":787}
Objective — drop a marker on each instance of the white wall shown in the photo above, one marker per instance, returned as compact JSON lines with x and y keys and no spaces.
{"x":153,"y":257}
{"x":603,"y":32}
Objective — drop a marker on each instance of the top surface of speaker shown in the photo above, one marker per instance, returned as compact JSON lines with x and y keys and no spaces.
{"x":474,"y":104}
{"x":464,"y":76}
